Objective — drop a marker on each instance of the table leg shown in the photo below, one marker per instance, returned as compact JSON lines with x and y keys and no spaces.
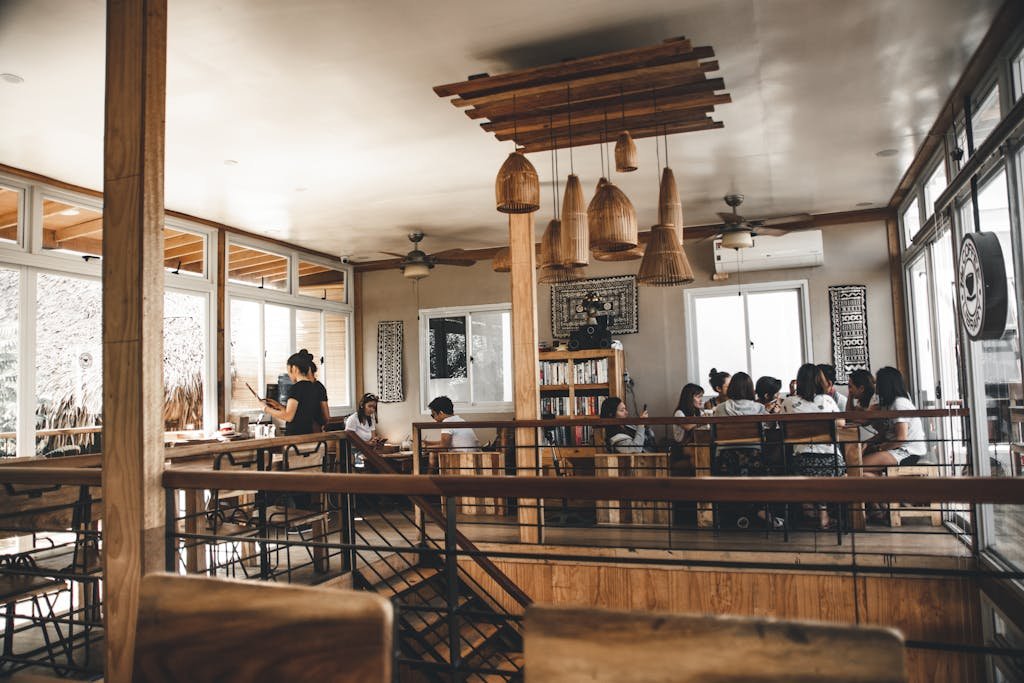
{"x":702,"y":467}
{"x":853,"y":455}
{"x":195,"y":506}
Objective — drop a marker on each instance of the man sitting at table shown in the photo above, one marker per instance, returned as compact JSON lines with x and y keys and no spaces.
{"x":452,"y":438}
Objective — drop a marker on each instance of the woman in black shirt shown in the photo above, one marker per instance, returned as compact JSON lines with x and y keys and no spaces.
{"x":303,"y":412}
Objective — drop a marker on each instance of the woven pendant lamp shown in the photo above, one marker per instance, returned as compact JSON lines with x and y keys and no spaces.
{"x":612,"y":220}
{"x":575,"y":250}
{"x":552,"y":269}
{"x":663,"y":264}
{"x":626,"y":159}
{"x":502,"y":261}
{"x":670,"y":209}
{"x":633,"y":254}
{"x":517,"y":188}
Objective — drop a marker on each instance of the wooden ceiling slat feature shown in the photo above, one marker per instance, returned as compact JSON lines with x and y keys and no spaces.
{"x":86,"y":245}
{"x":184,"y":250}
{"x":655,"y":90}
{"x":264,"y":269}
{"x":324,"y":279}
{"x":585,"y":66}
{"x":82,"y":229}
{"x":253,"y":258}
{"x":595,"y":138}
{"x":607,"y":131}
{"x":181,"y":240}
{"x":9,"y":232}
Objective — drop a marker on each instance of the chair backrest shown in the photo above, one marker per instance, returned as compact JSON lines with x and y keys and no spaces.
{"x":809,"y":431}
{"x":203,"y":630}
{"x":601,"y":646}
{"x":737,"y":433}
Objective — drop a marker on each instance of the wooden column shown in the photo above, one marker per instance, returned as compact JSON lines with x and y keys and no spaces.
{"x":526,"y":399}
{"x":223,"y":400}
{"x":899,"y":309}
{"x":133,"y":291}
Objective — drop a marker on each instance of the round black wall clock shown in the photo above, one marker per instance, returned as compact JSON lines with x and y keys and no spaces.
{"x":981,"y":278}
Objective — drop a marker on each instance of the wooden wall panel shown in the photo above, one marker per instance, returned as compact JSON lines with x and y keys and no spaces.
{"x":932,"y":609}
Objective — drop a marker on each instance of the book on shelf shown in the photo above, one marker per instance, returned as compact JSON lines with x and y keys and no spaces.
{"x":554,"y":372}
{"x":594,"y":371}
{"x":577,"y":435}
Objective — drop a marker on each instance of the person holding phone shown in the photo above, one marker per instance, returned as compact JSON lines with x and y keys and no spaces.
{"x":622,"y":438}
{"x":303,"y":412}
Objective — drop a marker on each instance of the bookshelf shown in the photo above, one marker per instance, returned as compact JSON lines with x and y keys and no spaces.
{"x":573,"y":384}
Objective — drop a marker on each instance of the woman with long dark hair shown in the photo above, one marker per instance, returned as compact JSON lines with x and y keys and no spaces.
{"x":861,"y":389}
{"x":363,"y":422}
{"x":689,"y":406}
{"x":766,"y":392}
{"x":901,"y":440}
{"x":621,"y":438}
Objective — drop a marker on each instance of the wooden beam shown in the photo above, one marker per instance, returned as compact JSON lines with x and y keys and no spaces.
{"x":607,"y":131}
{"x":526,"y":395}
{"x":133,"y":288}
{"x":543,"y":145}
{"x":222,"y":313}
{"x":322,"y":279}
{"x":83,"y":229}
{"x":196,"y":246}
{"x":899,"y":306}
{"x":575,"y":68}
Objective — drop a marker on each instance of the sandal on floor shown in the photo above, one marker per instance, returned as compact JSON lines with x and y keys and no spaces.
{"x":776,"y":523}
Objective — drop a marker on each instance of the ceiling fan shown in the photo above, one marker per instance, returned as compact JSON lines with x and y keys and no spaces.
{"x":417,"y":264}
{"x":737,"y":232}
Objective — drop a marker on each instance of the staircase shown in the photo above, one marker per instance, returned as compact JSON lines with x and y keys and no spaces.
{"x":489,"y":644}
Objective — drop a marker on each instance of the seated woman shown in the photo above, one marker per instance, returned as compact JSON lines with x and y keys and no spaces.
{"x":901,"y":440}
{"x":861,"y":389}
{"x":815,"y":460}
{"x":690,"y":399}
{"x":740,"y":399}
{"x":363,"y":423}
{"x":719,"y":382}
{"x":766,"y":392}
{"x":621,"y":438}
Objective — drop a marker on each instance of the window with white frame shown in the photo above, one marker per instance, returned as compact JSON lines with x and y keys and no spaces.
{"x":910,"y":219}
{"x":10,"y":214}
{"x":933,"y":187}
{"x":760,"y":329}
{"x":466,"y":355}
{"x":984,"y":118}
{"x":1018,"y":74}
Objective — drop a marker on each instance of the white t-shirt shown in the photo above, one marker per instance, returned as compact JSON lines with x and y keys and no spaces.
{"x":841,"y":400}
{"x":822,"y":403}
{"x":914,"y":445}
{"x":362,"y":430}
{"x":732,"y":408}
{"x":679,"y":431}
{"x":463,"y":438}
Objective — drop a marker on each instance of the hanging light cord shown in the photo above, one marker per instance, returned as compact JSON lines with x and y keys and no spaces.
{"x":568,"y":102}
{"x":657,"y":147}
{"x":515,"y":124}
{"x":554,"y":166}
{"x":600,"y":147}
{"x":604,"y":147}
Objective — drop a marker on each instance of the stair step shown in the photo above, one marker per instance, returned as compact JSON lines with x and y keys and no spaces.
{"x":422,"y":621}
{"x":405,"y":583}
{"x":377,"y":568}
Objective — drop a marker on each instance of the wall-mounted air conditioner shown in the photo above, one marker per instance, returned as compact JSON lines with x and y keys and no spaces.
{"x":798,"y":249}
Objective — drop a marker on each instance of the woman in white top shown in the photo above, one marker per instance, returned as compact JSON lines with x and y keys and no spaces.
{"x":363,"y":422}
{"x":902,"y":439}
{"x":690,"y":399}
{"x":815,"y":460}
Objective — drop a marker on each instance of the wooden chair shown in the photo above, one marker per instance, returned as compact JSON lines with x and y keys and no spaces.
{"x":603,"y":646}
{"x":474,"y":464}
{"x":744,"y":441}
{"x":899,"y":511}
{"x":635,"y":512}
{"x":204,"y":630}
{"x":808,"y":432}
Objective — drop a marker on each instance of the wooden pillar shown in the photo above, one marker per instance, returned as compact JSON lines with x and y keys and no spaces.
{"x":899,"y":309}
{"x":223,"y":400}
{"x":133,"y":291}
{"x":526,"y":399}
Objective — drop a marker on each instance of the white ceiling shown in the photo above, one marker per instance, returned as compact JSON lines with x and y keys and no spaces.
{"x":342,"y":146}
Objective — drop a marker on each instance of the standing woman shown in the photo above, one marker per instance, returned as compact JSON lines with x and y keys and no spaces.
{"x":303,"y":412}
{"x":719,"y":382}
{"x":689,"y":406}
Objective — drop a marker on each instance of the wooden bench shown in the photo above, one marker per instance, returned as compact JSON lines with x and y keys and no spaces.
{"x":898,"y":511}
{"x":603,"y":646}
{"x":204,"y":630}
{"x":636,"y":512}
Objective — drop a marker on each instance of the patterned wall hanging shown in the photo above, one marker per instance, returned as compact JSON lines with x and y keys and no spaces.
{"x":389,"y":361}
{"x":620,"y":291}
{"x":848,"y":306}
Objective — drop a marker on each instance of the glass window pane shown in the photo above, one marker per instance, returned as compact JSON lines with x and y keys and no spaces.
{"x":184,"y":252}
{"x":277,"y":340}
{"x":920,"y":303}
{"x":249,"y":266}
{"x":721,"y":335}
{"x":307,"y":333}
{"x":933,"y":187}
{"x":998,"y":364}
{"x":322,"y":282}
{"x":69,"y":364}
{"x":1018,"y":75}
{"x":10,"y":281}
{"x":10,"y":202}
{"x":775,"y":328}
{"x":184,"y":359}
{"x":492,"y":357}
{"x":985,"y":117}
{"x":245,"y":355}
{"x":335,"y":372}
{"x":911,"y":222}
{"x":447,"y":356}
{"x":72,"y":229}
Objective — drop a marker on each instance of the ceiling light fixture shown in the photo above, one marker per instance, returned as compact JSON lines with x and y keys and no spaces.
{"x":517,"y":187}
{"x":575,"y":234}
{"x":71,"y":211}
{"x":625,"y":148}
{"x":890,"y":152}
{"x":13,"y":79}
{"x":663,"y":265}
{"x":415,"y":271}
{"x":230,"y":162}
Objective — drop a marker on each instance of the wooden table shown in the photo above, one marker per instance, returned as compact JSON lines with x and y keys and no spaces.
{"x":633,"y":512}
